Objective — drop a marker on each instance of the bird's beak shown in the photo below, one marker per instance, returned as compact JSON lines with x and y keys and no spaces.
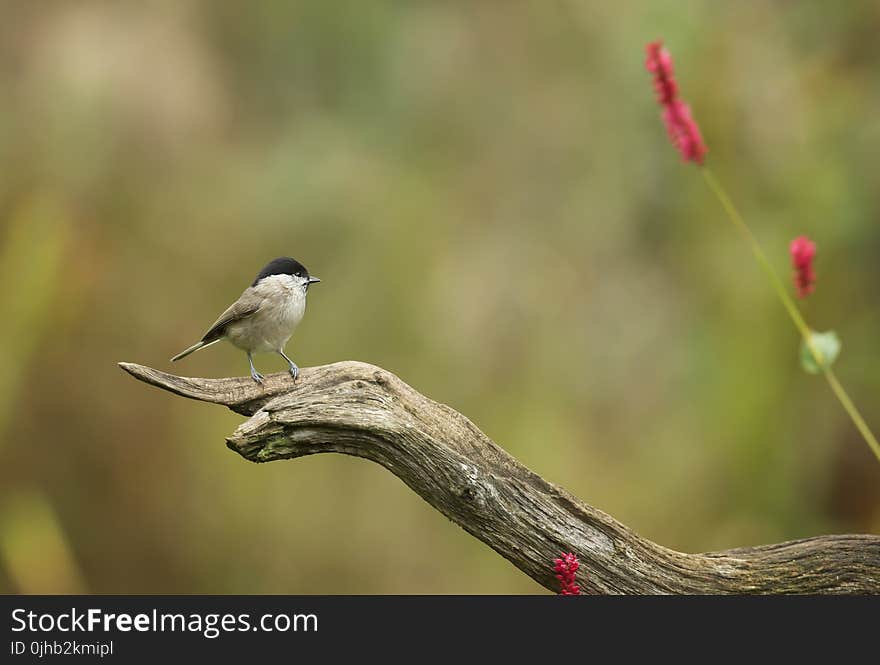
{"x":313,"y":280}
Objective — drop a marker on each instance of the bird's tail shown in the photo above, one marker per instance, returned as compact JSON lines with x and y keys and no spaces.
{"x":195,"y":347}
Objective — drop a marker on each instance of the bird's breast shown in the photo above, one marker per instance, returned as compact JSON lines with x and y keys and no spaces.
{"x":273,"y":324}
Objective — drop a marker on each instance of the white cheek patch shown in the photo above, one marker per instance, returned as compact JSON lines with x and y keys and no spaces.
{"x":276,"y":283}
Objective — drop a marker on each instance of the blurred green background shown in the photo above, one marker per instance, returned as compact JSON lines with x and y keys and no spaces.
{"x":488,"y":193}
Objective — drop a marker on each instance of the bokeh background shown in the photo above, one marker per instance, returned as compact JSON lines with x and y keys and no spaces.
{"x":487,"y":191}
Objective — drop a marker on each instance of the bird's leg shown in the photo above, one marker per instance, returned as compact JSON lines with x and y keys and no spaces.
{"x":294,"y":370}
{"x":255,"y":375}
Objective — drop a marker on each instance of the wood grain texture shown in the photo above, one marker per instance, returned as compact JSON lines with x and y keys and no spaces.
{"x":362,"y":410}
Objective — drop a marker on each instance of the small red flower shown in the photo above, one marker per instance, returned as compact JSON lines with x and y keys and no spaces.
{"x":680,"y":124}
{"x":565,"y":567}
{"x":803,"y":251}
{"x":659,"y":63}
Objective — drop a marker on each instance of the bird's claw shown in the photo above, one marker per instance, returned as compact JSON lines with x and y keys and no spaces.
{"x":294,"y":371}
{"x":256,"y":376}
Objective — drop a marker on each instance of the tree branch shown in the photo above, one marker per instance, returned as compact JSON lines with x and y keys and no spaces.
{"x":362,"y":410}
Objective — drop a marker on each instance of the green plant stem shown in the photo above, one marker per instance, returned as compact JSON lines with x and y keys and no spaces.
{"x":792,"y":310}
{"x":853,"y":412}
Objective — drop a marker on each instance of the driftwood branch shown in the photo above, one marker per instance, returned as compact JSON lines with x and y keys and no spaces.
{"x":365,"y":411}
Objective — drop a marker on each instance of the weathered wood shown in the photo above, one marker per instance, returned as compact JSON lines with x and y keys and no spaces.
{"x":362,"y":410}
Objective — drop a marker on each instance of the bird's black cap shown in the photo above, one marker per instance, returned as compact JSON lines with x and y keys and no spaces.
{"x":282,"y":266}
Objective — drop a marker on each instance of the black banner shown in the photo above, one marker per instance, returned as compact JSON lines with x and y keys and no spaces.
{"x":147,"y":628}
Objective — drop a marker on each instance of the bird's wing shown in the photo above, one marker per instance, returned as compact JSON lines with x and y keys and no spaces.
{"x":247,"y":305}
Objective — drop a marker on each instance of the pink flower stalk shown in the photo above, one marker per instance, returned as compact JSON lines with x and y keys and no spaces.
{"x":565,"y":567}
{"x":803,"y":251}
{"x":680,"y":124}
{"x":659,"y":63}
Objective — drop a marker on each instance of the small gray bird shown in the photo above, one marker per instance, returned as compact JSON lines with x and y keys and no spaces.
{"x":265,"y":315}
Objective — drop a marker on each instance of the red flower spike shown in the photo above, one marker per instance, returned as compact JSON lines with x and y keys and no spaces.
{"x":659,"y":63}
{"x":680,"y":125}
{"x":565,"y":568}
{"x":803,"y":251}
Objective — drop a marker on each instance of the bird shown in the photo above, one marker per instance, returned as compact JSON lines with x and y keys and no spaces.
{"x":264,"y":317}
